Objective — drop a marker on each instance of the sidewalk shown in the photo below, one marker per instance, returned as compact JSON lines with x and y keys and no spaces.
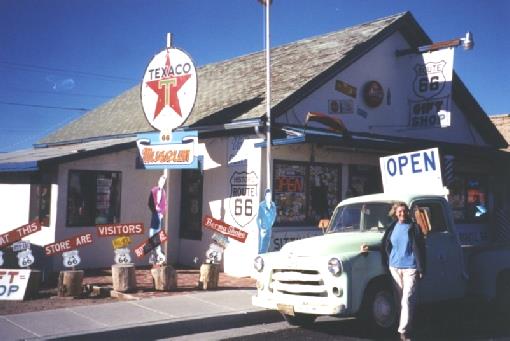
{"x":179,"y":313}
{"x":171,"y":316}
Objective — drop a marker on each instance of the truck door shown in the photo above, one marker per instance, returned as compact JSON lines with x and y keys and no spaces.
{"x":444,"y":276}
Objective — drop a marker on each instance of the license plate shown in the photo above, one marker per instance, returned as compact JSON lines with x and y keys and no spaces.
{"x":286,"y":309}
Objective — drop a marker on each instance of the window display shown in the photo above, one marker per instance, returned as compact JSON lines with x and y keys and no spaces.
{"x":304,"y":193}
{"x":93,"y":198}
{"x":468,"y":198}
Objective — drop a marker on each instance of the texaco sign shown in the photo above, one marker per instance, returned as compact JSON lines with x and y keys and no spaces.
{"x":169,"y":89}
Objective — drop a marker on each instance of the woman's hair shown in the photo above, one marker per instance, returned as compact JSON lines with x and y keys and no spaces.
{"x":393,"y":210}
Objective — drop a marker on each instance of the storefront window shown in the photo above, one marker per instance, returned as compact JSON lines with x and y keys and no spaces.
{"x":40,"y":203}
{"x":468,"y":198}
{"x":304,"y":193}
{"x":93,"y":197}
{"x":191,"y":205}
{"x":363,"y":179}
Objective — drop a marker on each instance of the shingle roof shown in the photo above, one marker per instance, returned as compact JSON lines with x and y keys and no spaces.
{"x":234,"y":89}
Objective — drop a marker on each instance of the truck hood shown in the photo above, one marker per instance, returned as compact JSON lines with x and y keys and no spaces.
{"x":333,"y":244}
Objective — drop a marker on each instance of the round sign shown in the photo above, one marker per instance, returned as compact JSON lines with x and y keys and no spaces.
{"x":169,"y":89}
{"x":373,"y":94}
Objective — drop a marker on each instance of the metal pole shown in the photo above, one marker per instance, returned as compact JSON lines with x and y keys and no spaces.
{"x":268,"y":100}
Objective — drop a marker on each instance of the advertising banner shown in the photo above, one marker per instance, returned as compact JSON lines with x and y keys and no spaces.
{"x":225,"y":229}
{"x":150,"y":244}
{"x":178,"y":153}
{"x":13,"y":283}
{"x":13,"y":236}
{"x":68,"y":244}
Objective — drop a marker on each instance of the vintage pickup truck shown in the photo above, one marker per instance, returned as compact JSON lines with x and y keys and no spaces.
{"x":333,"y":274}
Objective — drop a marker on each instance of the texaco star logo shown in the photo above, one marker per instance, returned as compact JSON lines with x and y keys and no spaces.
{"x":169,"y":89}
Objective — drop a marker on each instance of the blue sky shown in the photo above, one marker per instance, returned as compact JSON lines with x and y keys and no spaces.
{"x":59,"y":58}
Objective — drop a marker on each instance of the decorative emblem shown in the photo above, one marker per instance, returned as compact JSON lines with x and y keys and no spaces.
{"x":429,"y":79}
{"x":373,"y":94}
{"x":71,"y":258}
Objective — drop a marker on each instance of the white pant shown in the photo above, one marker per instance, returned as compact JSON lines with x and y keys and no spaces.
{"x":404,"y":282}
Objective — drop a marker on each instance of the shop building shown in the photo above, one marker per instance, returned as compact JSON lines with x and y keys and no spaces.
{"x":89,"y":172}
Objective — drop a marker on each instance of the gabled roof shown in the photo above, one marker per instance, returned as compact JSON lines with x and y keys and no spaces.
{"x":234,"y":90}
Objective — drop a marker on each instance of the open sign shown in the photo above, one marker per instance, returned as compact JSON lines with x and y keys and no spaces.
{"x":419,"y":171}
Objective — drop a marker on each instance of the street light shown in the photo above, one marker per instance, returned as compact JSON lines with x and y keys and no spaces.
{"x":467,"y":42}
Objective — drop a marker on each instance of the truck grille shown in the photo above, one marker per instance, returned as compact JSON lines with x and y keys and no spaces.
{"x":298,"y":282}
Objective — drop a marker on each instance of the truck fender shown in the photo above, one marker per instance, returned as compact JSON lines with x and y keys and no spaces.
{"x":379,"y":290}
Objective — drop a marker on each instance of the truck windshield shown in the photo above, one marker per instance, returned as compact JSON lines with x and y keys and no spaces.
{"x":361,"y":217}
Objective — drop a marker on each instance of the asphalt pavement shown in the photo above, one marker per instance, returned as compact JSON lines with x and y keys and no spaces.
{"x":189,"y":316}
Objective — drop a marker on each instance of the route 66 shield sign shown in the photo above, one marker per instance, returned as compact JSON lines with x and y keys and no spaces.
{"x":243,"y":197}
{"x":432,"y":73}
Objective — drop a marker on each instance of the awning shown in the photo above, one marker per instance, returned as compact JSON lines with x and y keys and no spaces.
{"x":381,"y":143}
{"x":29,"y":159}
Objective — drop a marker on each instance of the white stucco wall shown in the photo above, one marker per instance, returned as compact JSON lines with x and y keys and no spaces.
{"x":395,"y":74}
{"x":135,"y":188}
{"x":217,"y":193}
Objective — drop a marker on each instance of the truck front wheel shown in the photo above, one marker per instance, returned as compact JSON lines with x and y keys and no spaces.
{"x":378,"y":307}
{"x":300,"y":320}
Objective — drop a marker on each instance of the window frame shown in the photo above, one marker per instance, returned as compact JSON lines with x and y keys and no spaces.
{"x":307,"y":221}
{"x":91,"y":219}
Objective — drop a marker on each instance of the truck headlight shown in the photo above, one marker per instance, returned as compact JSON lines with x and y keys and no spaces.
{"x":335,"y":266}
{"x":258,"y":263}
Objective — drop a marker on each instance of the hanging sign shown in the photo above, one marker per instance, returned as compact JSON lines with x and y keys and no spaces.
{"x":179,"y":153}
{"x":418,"y":171}
{"x":224,"y":229}
{"x":19,"y":233}
{"x":68,"y":244}
{"x":431,"y":89}
{"x":169,"y":89}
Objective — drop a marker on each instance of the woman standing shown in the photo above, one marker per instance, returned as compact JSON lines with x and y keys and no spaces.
{"x":404,"y":254}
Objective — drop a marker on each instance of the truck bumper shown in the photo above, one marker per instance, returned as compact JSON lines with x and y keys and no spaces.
{"x":304,"y":305}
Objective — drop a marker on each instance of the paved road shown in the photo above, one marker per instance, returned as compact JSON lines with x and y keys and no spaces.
{"x":453,"y":321}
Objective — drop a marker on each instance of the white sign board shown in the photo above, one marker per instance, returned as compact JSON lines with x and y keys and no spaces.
{"x":13,"y":283}
{"x":431,"y":89}
{"x":418,"y":171}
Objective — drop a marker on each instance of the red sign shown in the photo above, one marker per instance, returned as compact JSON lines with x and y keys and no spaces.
{"x":150,"y":244}
{"x":225,"y":229}
{"x":19,"y":233}
{"x":68,"y":244}
{"x":119,"y":229}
